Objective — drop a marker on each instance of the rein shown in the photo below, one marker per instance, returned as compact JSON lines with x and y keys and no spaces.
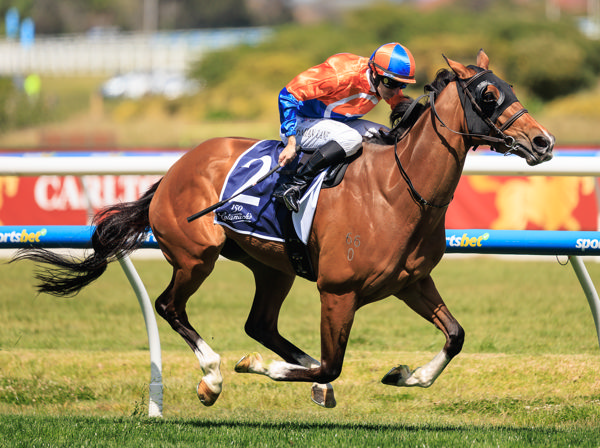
{"x":413,"y":191}
{"x":507,"y":140}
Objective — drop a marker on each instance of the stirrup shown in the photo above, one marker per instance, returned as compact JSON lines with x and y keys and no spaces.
{"x":290,"y":198}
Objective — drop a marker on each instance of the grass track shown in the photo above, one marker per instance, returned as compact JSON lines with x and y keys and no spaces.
{"x":121,"y":432}
{"x":74,"y":372}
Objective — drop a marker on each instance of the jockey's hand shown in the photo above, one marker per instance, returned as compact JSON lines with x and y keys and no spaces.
{"x":371,"y":132}
{"x":289,"y":152}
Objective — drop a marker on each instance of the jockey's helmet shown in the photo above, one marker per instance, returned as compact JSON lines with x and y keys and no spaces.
{"x":393,"y":61}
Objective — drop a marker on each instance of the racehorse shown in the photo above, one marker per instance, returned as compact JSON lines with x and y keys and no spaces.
{"x":389,"y":209}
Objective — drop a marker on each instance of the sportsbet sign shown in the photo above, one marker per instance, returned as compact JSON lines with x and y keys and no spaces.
{"x":22,"y":236}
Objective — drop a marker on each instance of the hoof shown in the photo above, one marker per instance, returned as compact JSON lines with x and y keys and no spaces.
{"x":206,"y":396}
{"x":245,"y":364}
{"x":397,"y":376}
{"x":322,"y":394}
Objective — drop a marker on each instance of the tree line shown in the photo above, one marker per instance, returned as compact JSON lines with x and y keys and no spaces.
{"x":544,"y":59}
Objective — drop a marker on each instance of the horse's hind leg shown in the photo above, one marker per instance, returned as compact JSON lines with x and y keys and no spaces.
{"x":425,"y":300}
{"x":272,"y":287}
{"x":171,"y":306}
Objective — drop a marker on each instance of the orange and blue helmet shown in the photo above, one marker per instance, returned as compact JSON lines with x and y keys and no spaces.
{"x":393,"y":62}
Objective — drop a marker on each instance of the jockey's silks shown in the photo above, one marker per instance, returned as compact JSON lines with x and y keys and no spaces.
{"x":339,"y":88}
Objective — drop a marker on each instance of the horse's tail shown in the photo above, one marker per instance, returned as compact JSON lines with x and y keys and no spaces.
{"x":120,"y":229}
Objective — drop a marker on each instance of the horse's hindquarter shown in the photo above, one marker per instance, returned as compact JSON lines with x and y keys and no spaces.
{"x":192,"y":184}
{"x":369,"y":234}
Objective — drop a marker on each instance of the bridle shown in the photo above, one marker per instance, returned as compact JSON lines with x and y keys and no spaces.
{"x":478,"y":120}
{"x":469,"y":89}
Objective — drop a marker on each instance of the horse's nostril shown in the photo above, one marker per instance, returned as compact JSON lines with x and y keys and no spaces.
{"x":541,"y":142}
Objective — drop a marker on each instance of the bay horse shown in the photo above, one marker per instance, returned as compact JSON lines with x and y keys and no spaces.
{"x":390,"y":209}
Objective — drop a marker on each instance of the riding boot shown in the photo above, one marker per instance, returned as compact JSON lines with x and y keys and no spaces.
{"x":328,"y":154}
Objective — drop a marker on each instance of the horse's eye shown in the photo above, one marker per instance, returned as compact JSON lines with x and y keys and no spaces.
{"x":489,"y":97}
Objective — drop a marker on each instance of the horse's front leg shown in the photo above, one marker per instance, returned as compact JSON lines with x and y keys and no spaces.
{"x":272,"y":287}
{"x":425,"y":300}
{"x":337,"y":316}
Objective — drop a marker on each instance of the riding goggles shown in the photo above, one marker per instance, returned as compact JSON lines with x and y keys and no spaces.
{"x":392,"y":84}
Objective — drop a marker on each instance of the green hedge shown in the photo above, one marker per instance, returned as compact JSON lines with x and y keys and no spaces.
{"x":17,"y":109}
{"x":543,"y":59}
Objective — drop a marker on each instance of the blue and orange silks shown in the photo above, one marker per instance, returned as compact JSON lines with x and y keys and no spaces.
{"x":339,"y":89}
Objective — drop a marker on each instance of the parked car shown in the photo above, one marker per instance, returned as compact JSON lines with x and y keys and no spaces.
{"x":135,"y":85}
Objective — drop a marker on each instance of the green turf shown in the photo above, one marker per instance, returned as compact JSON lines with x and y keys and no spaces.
{"x":121,"y":432}
{"x":74,"y":372}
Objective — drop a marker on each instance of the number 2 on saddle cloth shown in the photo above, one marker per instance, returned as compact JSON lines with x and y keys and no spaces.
{"x":257,"y":213}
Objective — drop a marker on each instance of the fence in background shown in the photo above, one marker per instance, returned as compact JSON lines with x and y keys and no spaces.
{"x":111,"y":53}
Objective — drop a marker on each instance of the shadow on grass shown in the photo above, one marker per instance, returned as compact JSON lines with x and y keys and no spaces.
{"x":343,"y":426}
{"x":157,"y":423}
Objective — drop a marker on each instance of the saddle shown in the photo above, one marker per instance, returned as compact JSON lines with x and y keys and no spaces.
{"x":335,"y":173}
{"x":257,"y":213}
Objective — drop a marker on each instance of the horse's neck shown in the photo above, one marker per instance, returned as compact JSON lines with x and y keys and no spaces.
{"x":432,"y":157}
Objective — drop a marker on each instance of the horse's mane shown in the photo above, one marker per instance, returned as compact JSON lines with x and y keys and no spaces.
{"x":401,"y":124}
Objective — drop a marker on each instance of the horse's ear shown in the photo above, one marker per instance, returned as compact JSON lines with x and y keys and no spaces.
{"x":462,"y":71}
{"x":482,"y":59}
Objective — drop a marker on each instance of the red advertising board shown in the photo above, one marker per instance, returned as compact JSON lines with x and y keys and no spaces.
{"x":524,"y":203}
{"x":480,"y":202}
{"x":61,"y":200}
{"x":483,"y":202}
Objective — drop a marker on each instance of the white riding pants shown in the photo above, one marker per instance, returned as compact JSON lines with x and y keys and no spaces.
{"x":312,"y":133}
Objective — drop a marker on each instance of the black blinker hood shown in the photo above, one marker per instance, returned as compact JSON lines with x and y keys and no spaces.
{"x":476,"y":121}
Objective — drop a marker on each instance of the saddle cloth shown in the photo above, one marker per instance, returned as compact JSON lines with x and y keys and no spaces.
{"x":255,"y":212}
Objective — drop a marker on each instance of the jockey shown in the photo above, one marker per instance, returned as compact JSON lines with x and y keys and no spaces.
{"x":321,"y":109}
